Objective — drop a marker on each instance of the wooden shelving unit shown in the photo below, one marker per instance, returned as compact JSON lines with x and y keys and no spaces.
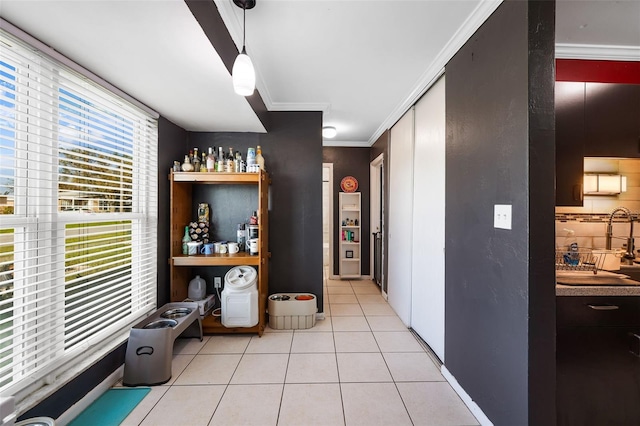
{"x":349,"y":234}
{"x":181,"y":199}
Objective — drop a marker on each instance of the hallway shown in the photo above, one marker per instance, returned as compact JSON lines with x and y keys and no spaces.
{"x":358,"y":366}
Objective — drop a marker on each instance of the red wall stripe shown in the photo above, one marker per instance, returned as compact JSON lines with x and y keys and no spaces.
{"x":597,"y":71}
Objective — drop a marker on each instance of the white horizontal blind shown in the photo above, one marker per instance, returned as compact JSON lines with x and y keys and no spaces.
{"x":78,"y":214}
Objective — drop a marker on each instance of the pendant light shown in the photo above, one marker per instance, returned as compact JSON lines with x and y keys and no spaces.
{"x":242,"y":73}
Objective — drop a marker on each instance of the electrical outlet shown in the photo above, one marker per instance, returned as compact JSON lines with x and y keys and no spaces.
{"x":217,"y":282}
{"x":502,"y":216}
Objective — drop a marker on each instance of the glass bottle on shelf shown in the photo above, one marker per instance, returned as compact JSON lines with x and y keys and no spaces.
{"x":259,"y":158}
{"x":220,"y":162}
{"x":238,"y":162}
{"x":186,"y":239}
{"x":186,"y":165}
{"x":211,"y":161}
{"x":203,"y":163}
{"x":230,"y":162}
{"x":196,"y":160}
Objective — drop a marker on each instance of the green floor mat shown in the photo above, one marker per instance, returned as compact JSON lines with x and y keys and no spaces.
{"x":111,"y":408}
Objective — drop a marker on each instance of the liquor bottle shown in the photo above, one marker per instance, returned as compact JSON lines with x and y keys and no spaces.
{"x":237,"y":162}
{"x":186,"y":239}
{"x":260,"y":158}
{"x":220,"y":162}
{"x":211,"y":161}
{"x":186,"y":165}
{"x":203,"y":163}
{"x":230,"y":165}
{"x":196,"y":160}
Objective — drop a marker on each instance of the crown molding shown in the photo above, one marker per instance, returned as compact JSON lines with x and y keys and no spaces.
{"x":436,"y":69}
{"x":346,"y":144}
{"x":597,"y":52}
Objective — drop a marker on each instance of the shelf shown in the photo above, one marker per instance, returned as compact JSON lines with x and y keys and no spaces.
{"x":213,"y":325}
{"x":218,"y":177}
{"x":351,"y":210}
{"x":355,"y":243}
{"x":183,"y":189}
{"x":350,"y":226}
{"x":217,"y":260}
{"x":350,"y":259}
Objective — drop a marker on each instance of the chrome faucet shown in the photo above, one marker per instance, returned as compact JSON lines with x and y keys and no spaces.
{"x":628,"y":256}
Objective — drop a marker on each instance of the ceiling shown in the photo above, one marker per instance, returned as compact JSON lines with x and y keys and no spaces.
{"x":361,"y":62}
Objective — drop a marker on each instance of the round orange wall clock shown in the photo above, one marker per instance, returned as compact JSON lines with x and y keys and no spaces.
{"x":349,"y":184}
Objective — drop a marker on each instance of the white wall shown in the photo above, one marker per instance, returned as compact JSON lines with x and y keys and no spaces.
{"x":400,"y":216}
{"x":427,"y":280}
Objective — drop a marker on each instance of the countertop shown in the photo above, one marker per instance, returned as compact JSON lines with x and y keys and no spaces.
{"x":613,"y":284}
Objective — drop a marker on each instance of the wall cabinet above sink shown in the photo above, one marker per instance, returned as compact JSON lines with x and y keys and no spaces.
{"x":569,"y":99}
{"x":592,"y":120}
{"x":612,"y":120}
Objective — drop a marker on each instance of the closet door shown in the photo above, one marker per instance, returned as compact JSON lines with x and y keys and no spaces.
{"x":400,"y":216}
{"x":427,"y":281}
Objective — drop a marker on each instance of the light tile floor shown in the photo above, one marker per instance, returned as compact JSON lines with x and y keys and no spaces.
{"x":358,"y":366}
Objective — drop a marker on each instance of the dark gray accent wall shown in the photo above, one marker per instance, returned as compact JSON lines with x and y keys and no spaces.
{"x":351,"y":162}
{"x":172,"y":145}
{"x":293,"y":157}
{"x":500,"y":286}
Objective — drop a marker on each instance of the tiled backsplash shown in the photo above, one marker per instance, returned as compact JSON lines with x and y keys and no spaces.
{"x":590,"y":222}
{"x":592,"y":234}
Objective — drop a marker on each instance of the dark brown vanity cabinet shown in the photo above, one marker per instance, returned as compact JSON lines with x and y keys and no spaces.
{"x":598,"y":373}
{"x":612,"y":120}
{"x":570,"y":127}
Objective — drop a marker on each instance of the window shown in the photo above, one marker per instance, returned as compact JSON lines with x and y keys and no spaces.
{"x":78,"y":215}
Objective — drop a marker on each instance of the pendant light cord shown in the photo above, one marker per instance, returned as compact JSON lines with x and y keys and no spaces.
{"x":244,"y":28}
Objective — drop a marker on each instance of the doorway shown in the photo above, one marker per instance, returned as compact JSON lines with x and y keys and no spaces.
{"x":327,"y":220}
{"x":377,"y":223}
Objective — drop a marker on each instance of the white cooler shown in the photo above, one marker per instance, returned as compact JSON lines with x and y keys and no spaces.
{"x":239,"y":298}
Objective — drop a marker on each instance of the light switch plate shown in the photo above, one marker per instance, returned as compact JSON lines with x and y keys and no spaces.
{"x":502,"y":216}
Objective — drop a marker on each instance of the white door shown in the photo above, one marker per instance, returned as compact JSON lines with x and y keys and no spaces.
{"x":400,"y":216}
{"x":427,"y":281}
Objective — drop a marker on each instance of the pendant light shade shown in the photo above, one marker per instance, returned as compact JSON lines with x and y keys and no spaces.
{"x":244,"y":76}
{"x":243,"y":73}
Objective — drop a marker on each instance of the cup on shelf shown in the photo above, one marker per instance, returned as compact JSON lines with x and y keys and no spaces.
{"x":207,"y":248}
{"x":223,"y":248}
{"x":233,"y":248}
{"x":193,"y":247}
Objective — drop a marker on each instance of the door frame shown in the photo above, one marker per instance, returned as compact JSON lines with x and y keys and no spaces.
{"x":376,"y":213}
{"x":329,"y":166}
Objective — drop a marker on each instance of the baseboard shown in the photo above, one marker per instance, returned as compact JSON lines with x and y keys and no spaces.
{"x":472,"y":406}
{"x":77,"y":408}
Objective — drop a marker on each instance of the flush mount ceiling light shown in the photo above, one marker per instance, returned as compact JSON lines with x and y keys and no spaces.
{"x":329,"y":132}
{"x":243,"y":74}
